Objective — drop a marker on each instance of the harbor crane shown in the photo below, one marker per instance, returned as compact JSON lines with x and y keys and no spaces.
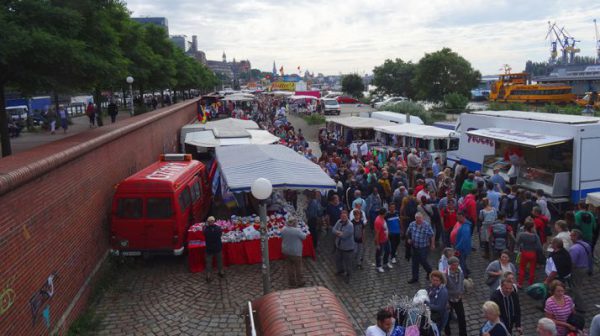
{"x":565,"y":40}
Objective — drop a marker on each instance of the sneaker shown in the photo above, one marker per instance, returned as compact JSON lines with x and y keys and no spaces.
{"x":394,"y":260}
{"x":380,"y":269}
{"x":390,"y":266}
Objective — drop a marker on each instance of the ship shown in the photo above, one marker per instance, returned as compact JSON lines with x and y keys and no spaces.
{"x":514,"y":87}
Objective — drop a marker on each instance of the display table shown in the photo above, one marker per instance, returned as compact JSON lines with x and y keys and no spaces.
{"x":240,"y":253}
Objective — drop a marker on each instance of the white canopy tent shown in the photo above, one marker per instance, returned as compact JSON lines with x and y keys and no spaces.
{"x":242,"y":165}
{"x":417,"y":131}
{"x":209,"y":139}
{"x":593,"y":199}
{"x":359,"y":122}
{"x":240,"y":97}
{"x":527,"y":139}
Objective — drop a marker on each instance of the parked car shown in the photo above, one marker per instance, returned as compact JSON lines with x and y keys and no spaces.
{"x":331,"y":106}
{"x":390,"y":101}
{"x":347,"y":100}
{"x":16,"y":113}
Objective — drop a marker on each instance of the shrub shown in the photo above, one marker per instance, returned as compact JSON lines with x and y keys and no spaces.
{"x":455,"y":102}
{"x":314,"y":119}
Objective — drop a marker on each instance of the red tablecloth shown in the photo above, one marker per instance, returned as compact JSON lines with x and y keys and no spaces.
{"x":245,"y":252}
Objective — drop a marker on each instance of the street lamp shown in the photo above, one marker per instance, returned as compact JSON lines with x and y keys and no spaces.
{"x":130,"y":81}
{"x":261,"y":190}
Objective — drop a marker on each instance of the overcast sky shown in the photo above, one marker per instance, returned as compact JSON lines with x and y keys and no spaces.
{"x":342,"y":36}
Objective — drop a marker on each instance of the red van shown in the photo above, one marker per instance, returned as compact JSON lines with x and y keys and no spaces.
{"x":153,"y":209}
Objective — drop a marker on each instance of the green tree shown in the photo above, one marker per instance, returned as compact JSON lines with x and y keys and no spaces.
{"x":40,"y":51}
{"x":352,"y":84}
{"x":394,"y":77}
{"x":455,"y":102}
{"x":443,"y":72}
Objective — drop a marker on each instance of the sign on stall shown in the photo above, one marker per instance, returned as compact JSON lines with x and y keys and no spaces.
{"x":283,"y":86}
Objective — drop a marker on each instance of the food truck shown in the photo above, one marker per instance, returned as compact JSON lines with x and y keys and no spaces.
{"x":553,"y":152}
{"x":152,"y":209}
{"x":401,"y":138}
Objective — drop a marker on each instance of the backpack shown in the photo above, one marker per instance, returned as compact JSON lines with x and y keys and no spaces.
{"x":500,"y":235}
{"x":508,"y":207}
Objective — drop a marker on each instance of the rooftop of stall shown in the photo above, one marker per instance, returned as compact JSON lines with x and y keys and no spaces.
{"x":356,"y":128}
{"x":433,"y":139}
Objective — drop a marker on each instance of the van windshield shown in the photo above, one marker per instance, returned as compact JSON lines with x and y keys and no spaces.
{"x":159,"y":208}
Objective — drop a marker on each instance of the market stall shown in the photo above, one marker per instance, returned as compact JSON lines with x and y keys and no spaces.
{"x":221,"y":124}
{"x":239,"y":166}
{"x":402,"y":138}
{"x":219,"y":137}
{"x":531,"y":160}
{"x":357,"y":132}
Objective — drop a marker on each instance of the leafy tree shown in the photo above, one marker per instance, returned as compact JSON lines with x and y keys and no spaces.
{"x":352,"y":84}
{"x":455,"y":102}
{"x":40,"y":50}
{"x":394,"y":77}
{"x":443,"y":72}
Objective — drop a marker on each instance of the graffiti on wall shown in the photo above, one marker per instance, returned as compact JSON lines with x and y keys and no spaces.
{"x":7,"y":295}
{"x":39,"y":301}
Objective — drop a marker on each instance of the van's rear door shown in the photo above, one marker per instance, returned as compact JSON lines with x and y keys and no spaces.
{"x":128,"y":223}
{"x":160,"y":222}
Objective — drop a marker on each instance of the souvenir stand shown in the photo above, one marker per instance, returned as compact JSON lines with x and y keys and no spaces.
{"x":239,"y":167}
{"x":401,"y":138}
{"x":413,"y":316}
{"x":358,"y":132}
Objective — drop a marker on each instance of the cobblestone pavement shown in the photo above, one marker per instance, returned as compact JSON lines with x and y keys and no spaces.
{"x":161,"y":297}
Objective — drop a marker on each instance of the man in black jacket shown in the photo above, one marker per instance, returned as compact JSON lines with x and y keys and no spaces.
{"x":508,"y":300}
{"x":562,"y":264}
{"x":212,"y":236}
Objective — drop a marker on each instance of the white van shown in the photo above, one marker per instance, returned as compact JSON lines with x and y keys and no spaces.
{"x":553,"y":152}
{"x":19,"y":112}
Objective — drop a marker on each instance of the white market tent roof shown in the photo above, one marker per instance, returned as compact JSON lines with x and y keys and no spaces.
{"x":417,"y":131}
{"x":210,"y":139}
{"x":396,"y":117}
{"x":240,"y":97}
{"x":242,"y":165}
{"x":302,"y":97}
{"x":593,"y":199}
{"x":539,"y":116}
{"x":359,"y":122}
{"x":227,"y":123}
{"x":527,"y":139}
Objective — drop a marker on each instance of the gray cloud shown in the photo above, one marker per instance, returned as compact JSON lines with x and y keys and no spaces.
{"x":333,"y":36}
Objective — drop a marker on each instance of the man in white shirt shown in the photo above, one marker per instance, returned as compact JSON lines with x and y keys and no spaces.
{"x":385,"y":323}
{"x":358,"y":206}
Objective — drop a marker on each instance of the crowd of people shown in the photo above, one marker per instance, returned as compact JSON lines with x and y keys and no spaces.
{"x":414,"y":204}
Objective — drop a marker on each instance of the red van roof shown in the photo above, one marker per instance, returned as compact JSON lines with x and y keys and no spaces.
{"x":161,"y":176}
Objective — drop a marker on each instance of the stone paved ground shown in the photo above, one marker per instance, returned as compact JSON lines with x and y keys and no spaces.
{"x":161,"y":297}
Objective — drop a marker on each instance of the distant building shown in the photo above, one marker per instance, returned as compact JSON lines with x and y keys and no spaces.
{"x":231,"y":70}
{"x":159,"y":21}
{"x":196,"y":53}
{"x":583,"y":78}
{"x":182,"y":42}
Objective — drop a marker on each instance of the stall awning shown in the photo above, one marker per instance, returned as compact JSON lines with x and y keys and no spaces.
{"x":593,"y":199}
{"x":242,"y":165}
{"x":417,"y":131}
{"x":227,"y":123}
{"x":209,"y":139}
{"x":527,"y":139}
{"x":359,"y":122}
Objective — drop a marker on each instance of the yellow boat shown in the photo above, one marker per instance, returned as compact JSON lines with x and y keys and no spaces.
{"x":513,"y":87}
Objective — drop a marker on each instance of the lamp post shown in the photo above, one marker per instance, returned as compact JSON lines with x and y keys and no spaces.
{"x":261,"y":190}
{"x":130,"y":81}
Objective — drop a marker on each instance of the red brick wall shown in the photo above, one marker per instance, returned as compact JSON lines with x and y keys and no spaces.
{"x":308,"y":311}
{"x":55,"y":207}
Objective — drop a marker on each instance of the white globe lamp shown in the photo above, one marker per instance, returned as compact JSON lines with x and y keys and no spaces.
{"x":261,"y":188}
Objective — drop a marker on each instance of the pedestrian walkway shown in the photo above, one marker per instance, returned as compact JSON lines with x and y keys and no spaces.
{"x":28,"y":140}
{"x":161,"y":297}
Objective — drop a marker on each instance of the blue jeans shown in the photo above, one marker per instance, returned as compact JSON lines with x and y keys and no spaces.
{"x":385,"y":250}
{"x":419,"y":258}
{"x":462,"y":257}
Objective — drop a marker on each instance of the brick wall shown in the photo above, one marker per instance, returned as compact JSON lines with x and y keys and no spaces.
{"x":308,"y":311}
{"x":55,"y":207}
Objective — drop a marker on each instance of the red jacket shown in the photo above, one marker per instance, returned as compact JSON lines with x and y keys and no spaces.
{"x":469,"y":206}
{"x":540,"y":222}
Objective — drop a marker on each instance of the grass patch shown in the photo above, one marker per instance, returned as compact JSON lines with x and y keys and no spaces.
{"x":89,"y":321}
{"x":314,"y":119}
